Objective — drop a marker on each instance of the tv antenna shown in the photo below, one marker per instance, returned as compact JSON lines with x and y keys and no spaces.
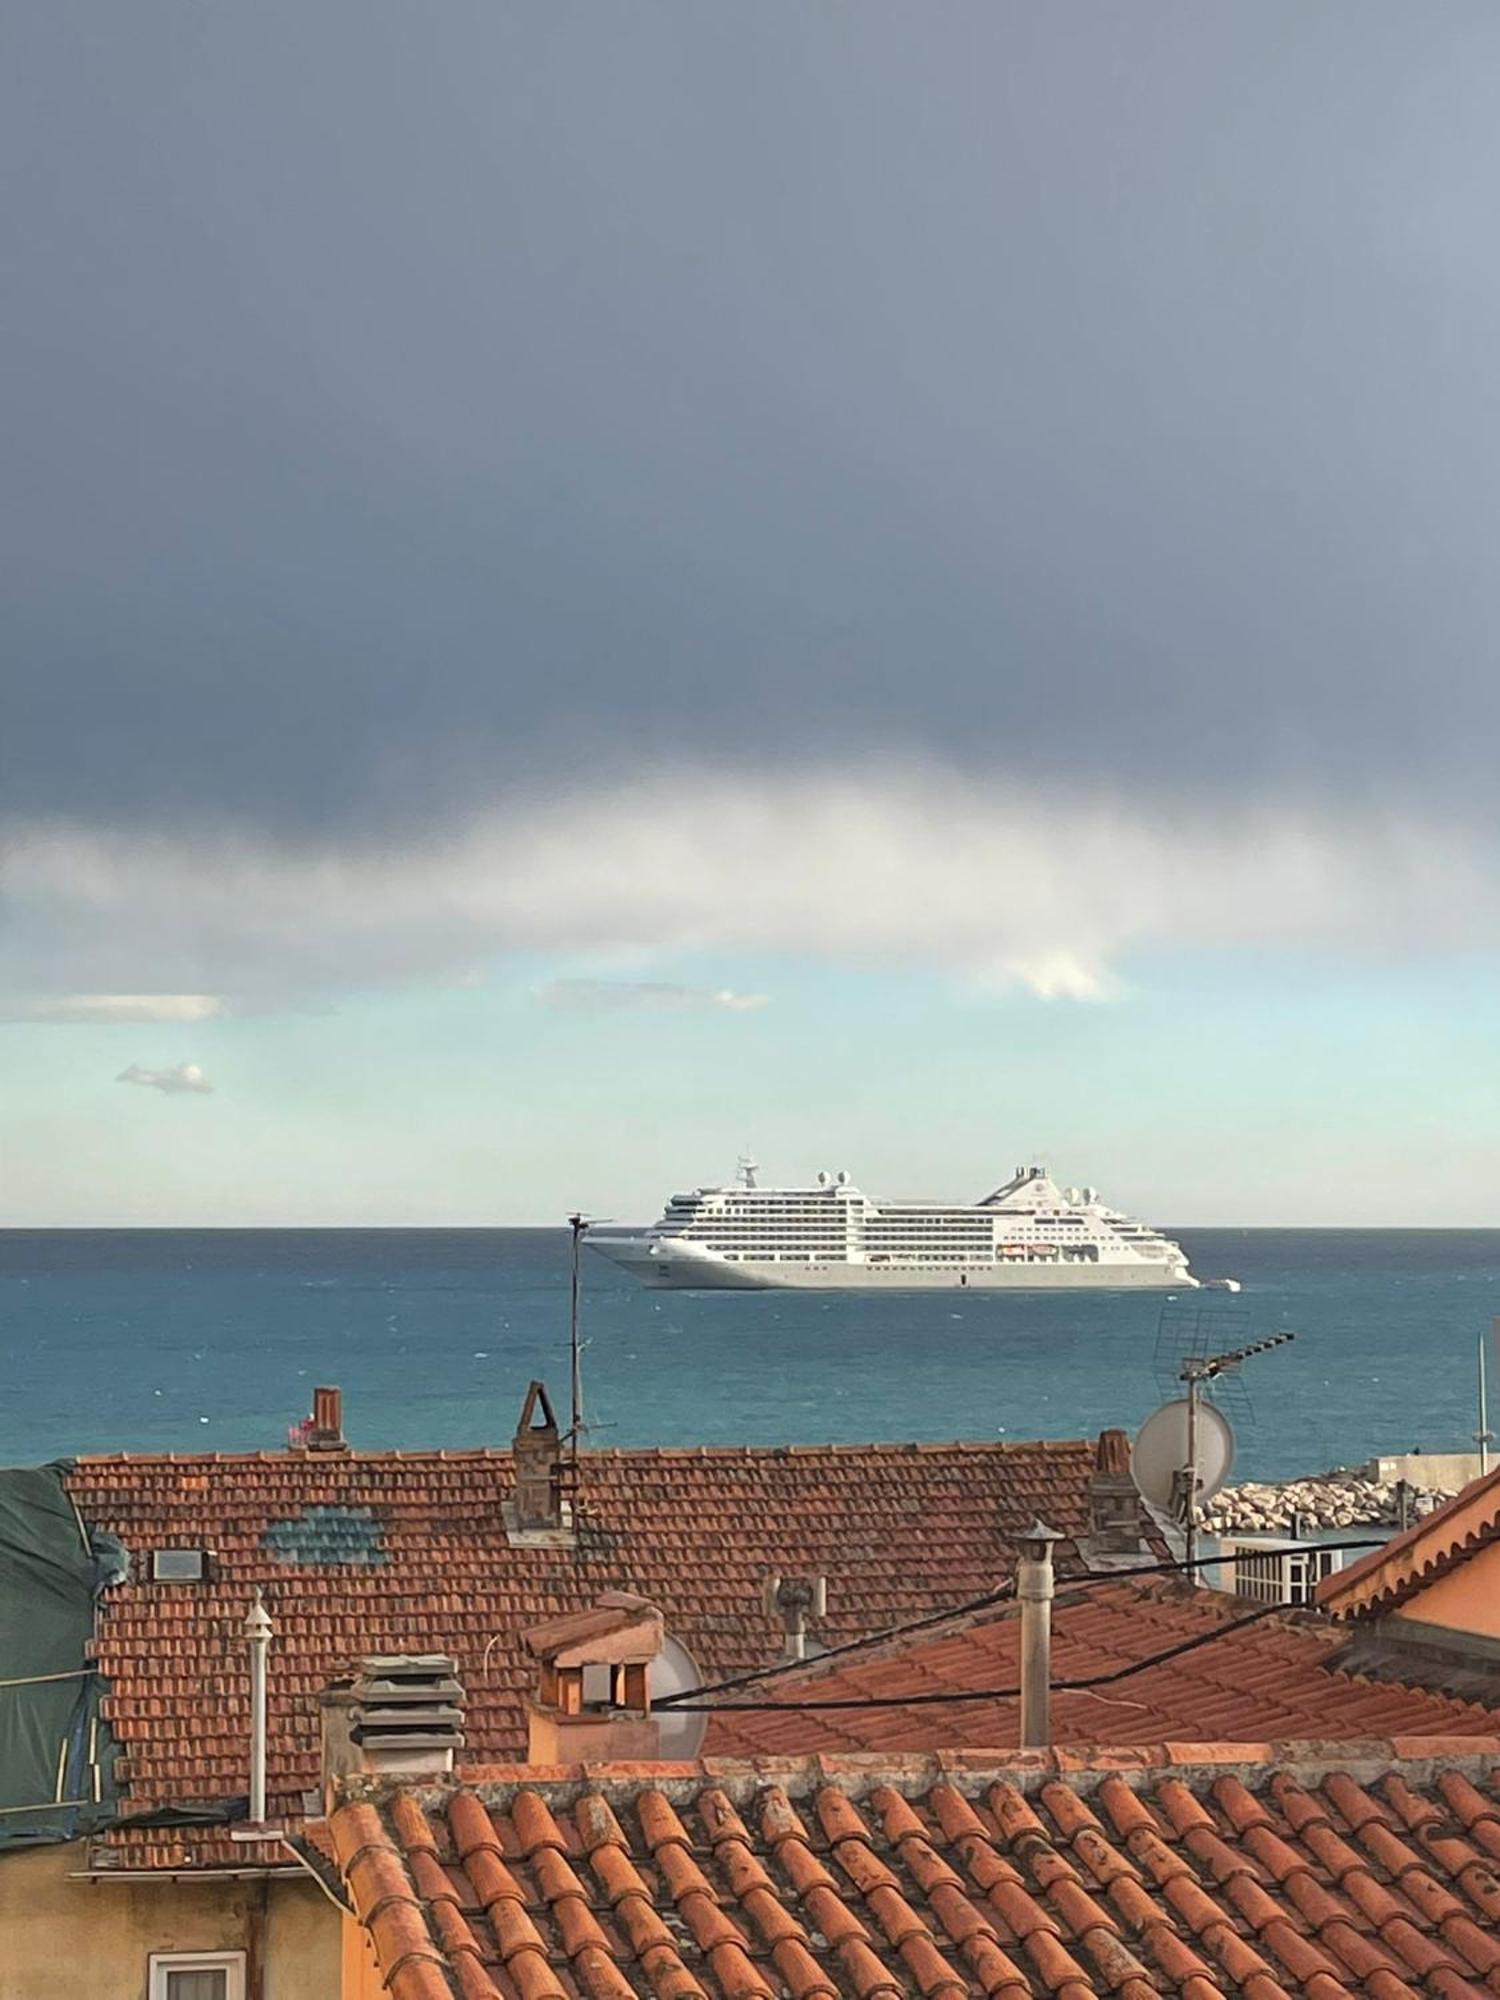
{"x":1194,"y":1327}
{"x":580,"y":1226}
{"x":1184,"y":1452}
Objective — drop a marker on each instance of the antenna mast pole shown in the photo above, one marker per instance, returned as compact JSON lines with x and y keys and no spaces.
{"x":579,"y":1226}
{"x":1195,"y":1371}
{"x":1484,"y":1433}
{"x":1190,"y":1525}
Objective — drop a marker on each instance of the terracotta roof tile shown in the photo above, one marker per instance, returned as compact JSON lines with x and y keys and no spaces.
{"x":1387,"y":1577}
{"x":900,"y":1531}
{"x":1276,"y":1681}
{"x":898,"y":1880}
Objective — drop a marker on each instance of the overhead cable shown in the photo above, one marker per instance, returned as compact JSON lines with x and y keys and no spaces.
{"x":946,"y":1697}
{"x":991,"y":1598}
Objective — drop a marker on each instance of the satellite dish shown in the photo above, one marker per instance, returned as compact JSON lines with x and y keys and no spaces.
{"x":1159,"y":1456}
{"x":681,"y":1732}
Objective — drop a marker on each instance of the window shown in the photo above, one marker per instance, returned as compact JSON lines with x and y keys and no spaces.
{"x":197,"y":1975}
{"x":179,"y":1565}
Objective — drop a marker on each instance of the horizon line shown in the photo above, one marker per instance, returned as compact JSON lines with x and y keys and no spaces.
{"x":561,"y":1227}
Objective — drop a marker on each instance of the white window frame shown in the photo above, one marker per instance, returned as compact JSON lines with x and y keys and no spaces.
{"x":231,"y":1963}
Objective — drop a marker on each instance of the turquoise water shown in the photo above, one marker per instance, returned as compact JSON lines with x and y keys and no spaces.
{"x":158,"y":1340}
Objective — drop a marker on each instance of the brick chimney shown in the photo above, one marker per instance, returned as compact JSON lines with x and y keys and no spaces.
{"x":324,"y":1429}
{"x":537,"y":1451}
{"x":400,"y":1715}
{"x":593,"y":1701}
{"x":1113,"y":1500}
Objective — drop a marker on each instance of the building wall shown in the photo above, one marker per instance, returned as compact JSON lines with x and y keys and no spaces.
{"x":1432,"y":1472}
{"x":60,"y":1939}
{"x":362,"y":1980}
{"x":1467,"y":1599}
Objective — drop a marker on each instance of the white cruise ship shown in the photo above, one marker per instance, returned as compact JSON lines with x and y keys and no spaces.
{"x":1029,"y":1235}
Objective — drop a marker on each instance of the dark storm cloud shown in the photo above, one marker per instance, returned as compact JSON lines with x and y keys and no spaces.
{"x":406,"y":404}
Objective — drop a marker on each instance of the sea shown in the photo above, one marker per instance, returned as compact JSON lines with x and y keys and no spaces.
{"x":195,"y":1340}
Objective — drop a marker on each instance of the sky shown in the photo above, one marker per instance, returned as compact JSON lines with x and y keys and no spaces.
{"x":906,"y":586}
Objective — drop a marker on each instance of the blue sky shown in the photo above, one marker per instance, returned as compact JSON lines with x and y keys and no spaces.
{"x":911,"y":585}
{"x":1209,"y":1092}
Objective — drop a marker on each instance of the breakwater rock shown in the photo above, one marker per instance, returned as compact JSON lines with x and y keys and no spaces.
{"x":1343,"y":1498}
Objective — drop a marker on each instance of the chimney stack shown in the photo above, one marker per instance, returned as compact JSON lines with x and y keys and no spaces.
{"x":793,"y":1599}
{"x":1113,"y":1500}
{"x":324,"y":1429}
{"x":1034,"y":1587}
{"x":537,"y":1452}
{"x":593,"y":1702}
{"x":400,"y":1715}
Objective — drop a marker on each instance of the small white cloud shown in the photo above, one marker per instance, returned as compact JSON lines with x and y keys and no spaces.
{"x":183,"y":1077}
{"x":1055,"y":975}
{"x":103,"y":1009}
{"x":643,"y":996}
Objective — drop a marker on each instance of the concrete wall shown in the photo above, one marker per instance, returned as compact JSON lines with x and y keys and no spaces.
{"x":61,"y":1939}
{"x":1430,"y":1472}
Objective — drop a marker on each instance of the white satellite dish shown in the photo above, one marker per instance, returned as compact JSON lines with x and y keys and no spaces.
{"x":681,"y":1731}
{"x":1159,"y":1456}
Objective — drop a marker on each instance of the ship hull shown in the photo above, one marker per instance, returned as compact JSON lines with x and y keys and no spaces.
{"x":674,"y":1271}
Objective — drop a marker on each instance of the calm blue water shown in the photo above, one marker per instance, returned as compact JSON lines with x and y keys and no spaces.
{"x":213,"y":1339}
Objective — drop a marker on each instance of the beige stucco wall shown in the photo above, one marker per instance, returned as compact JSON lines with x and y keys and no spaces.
{"x":61,"y":1939}
{"x":1467,"y":1599}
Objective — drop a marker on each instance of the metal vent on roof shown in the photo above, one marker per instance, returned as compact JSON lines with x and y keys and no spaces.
{"x":405,"y":1702}
{"x":179,"y":1565}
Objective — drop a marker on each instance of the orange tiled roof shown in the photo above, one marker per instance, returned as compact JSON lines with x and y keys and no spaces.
{"x":1267,"y":1682}
{"x":1370,"y":1872}
{"x":362,"y":1552}
{"x":1387,"y":1577}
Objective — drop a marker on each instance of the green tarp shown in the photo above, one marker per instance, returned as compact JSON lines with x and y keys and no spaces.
{"x":56,"y":1755}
